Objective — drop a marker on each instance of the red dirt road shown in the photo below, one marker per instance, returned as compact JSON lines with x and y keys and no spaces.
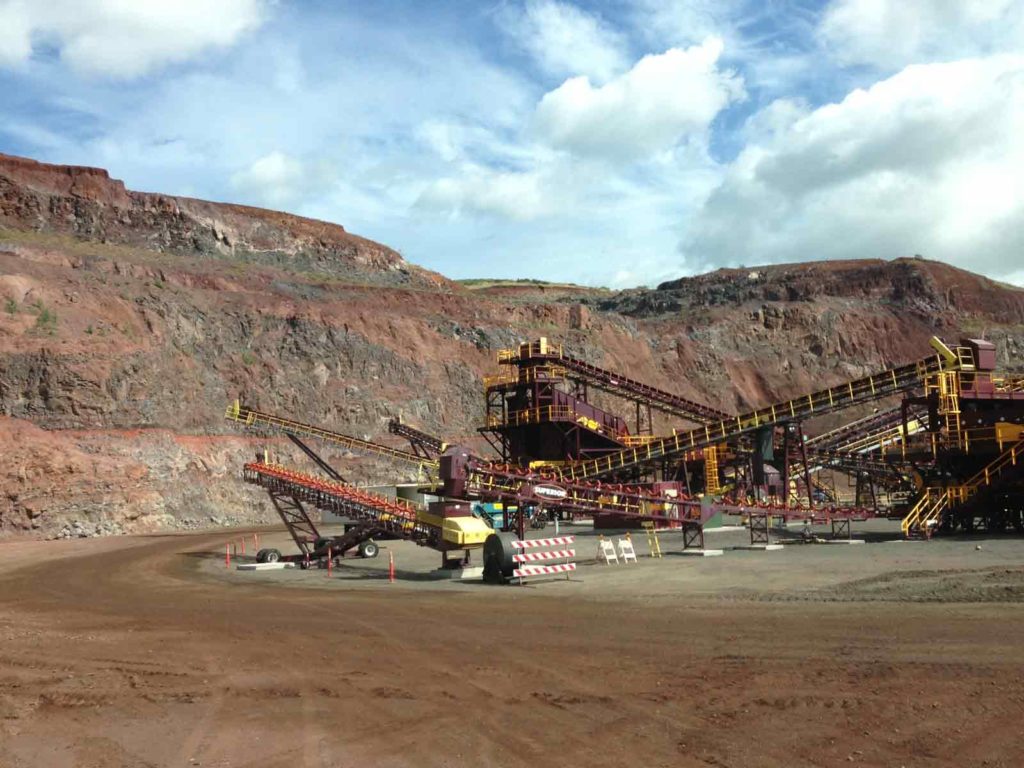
{"x":117,"y":653}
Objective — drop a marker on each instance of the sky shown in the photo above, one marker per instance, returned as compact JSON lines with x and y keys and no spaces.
{"x":617,"y":143}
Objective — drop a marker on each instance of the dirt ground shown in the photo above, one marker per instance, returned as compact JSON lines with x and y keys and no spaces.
{"x":147,"y":651}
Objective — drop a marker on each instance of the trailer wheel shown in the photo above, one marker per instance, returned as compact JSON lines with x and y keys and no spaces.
{"x":369,"y":549}
{"x":261,"y":556}
{"x":271,"y":555}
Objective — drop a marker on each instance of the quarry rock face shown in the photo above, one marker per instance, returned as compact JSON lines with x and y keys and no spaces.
{"x":87,"y":203}
{"x":129,"y":321}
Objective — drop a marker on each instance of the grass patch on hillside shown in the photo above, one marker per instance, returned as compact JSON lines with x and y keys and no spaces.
{"x":525,"y":282}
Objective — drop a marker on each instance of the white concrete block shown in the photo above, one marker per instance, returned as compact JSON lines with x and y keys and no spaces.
{"x":762,"y":547}
{"x":474,"y":572}
{"x":263,"y":566}
{"x":703,"y":552}
{"x":844,"y":541}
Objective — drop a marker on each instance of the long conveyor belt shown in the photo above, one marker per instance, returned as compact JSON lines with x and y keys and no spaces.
{"x":866,"y":389}
{"x":253,"y":418}
{"x":422,"y":442}
{"x":615,"y":383}
{"x":393,"y":516}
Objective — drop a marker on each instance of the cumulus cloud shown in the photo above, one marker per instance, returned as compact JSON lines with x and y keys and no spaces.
{"x":650,"y":108}
{"x":278,"y":180}
{"x":891,"y":33}
{"x":687,"y":22}
{"x":928,"y":161}
{"x":119,"y":38}
{"x":15,"y":33}
{"x":516,"y":195}
{"x":565,"y":40}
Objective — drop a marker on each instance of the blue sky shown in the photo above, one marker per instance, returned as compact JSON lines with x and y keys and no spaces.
{"x":615,"y":143}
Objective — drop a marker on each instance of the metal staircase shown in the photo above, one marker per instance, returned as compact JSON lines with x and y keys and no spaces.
{"x":927,"y":513}
{"x":920,"y":522}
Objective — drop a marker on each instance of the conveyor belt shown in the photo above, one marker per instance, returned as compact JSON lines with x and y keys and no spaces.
{"x":541,"y":352}
{"x":394,"y":516}
{"x":422,"y":443}
{"x":252,"y":418}
{"x":866,"y":389}
{"x":839,"y":436}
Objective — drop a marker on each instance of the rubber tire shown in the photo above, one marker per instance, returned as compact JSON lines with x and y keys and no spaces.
{"x":369,"y":549}
{"x":271,"y":555}
{"x":322,"y":543}
{"x":261,"y":556}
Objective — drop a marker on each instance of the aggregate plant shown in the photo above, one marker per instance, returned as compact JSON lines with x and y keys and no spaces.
{"x":130,"y":320}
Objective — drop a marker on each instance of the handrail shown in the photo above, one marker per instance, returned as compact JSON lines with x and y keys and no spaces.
{"x":934,"y":500}
{"x":546,"y":413}
{"x":524,"y":376}
{"x":835,"y":398}
{"x":610,"y":381}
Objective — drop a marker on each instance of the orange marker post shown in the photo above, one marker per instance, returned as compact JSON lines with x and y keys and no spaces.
{"x":243,"y":545}
{"x":227,"y":555}
{"x":391,"y":567}
{"x":256,"y":541}
{"x":330,"y":562}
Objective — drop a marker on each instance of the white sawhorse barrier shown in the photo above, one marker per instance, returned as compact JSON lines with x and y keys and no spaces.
{"x":626,"y":550}
{"x":543,"y":553}
{"x":606,"y":551}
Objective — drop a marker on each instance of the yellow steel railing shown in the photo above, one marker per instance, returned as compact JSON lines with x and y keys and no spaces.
{"x":539,"y":348}
{"x":861,"y":390}
{"x":547,"y":413}
{"x":634,"y":441}
{"x":252,"y":418}
{"x":935,"y":500}
{"x":524,"y":376}
{"x":926,"y":510}
{"x":1009,"y":384}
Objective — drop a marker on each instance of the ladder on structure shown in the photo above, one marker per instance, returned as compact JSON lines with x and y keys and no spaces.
{"x":652,"y":538}
{"x":712,"y":485}
{"x":949,"y":405}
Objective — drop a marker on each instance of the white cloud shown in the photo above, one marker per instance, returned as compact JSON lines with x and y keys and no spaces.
{"x":123,"y":38}
{"x":928,"y":161}
{"x":650,"y":108}
{"x":516,"y":195}
{"x":15,"y":33}
{"x":565,"y":40}
{"x":676,"y":23}
{"x":892,"y":33}
{"x":275,"y":180}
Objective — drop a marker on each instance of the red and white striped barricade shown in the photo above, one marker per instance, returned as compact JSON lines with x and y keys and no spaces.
{"x":543,"y":551}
